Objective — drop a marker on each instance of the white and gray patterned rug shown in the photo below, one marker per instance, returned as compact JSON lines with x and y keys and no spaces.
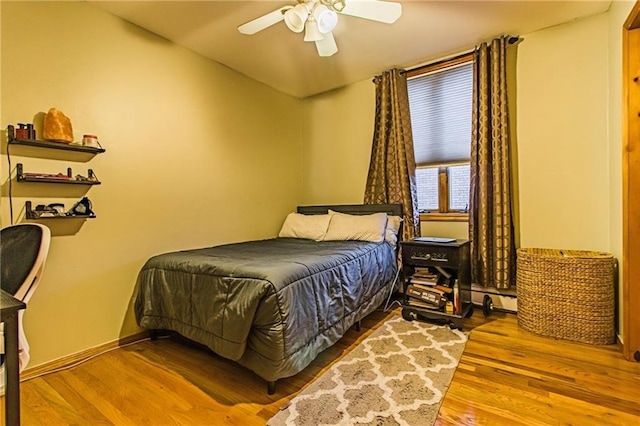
{"x":396,"y":376}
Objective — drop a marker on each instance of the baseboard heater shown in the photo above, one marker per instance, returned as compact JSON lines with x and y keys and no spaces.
{"x":503,"y":300}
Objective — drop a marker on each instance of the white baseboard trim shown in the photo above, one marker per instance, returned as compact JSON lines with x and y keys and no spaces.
{"x":503,"y":300}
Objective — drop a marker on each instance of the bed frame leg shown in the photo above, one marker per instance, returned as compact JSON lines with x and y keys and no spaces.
{"x":271,"y":387}
{"x":358,"y":324}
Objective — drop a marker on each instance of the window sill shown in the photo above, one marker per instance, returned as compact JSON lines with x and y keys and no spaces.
{"x":444,"y":217}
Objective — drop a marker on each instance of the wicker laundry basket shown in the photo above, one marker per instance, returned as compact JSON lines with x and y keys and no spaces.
{"x":566,"y":294}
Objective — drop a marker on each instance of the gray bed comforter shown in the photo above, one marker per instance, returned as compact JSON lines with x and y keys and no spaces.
{"x":271,"y":305}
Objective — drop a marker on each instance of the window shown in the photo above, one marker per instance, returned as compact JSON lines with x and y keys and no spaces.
{"x":440,"y":101}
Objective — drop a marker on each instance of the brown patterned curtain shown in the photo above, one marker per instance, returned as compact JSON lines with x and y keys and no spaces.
{"x":392,"y":170}
{"x":491,"y":229}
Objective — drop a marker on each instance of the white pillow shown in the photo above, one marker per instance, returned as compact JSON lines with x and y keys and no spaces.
{"x":311,"y":227}
{"x":370,"y":227}
{"x":393,"y":226}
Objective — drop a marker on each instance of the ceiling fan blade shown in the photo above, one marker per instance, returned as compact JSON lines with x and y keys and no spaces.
{"x":264,"y":21}
{"x":382,"y":11}
{"x":327,"y":46}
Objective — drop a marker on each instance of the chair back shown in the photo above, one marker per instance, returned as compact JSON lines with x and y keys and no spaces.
{"x":23,"y":252}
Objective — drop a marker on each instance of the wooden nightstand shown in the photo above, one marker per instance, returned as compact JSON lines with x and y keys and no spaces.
{"x":430,"y":268}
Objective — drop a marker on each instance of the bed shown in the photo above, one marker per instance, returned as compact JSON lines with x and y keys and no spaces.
{"x":273,"y":305}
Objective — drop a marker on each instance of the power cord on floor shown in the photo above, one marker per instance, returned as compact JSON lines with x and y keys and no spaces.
{"x":82,"y":361}
{"x":395,"y":302}
{"x":392,"y":287}
{"x":10,"y":184}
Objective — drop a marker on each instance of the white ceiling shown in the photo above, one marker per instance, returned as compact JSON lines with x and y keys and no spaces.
{"x":427,"y":30}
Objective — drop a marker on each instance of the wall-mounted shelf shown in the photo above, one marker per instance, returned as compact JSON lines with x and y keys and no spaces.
{"x":33,"y":215}
{"x":60,"y":217}
{"x":55,"y":145}
{"x":21,"y":176}
{"x":57,"y":151}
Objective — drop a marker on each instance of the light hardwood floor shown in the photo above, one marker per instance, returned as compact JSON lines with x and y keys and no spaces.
{"x":506,"y":376}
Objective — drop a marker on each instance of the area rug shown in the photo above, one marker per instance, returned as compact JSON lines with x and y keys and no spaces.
{"x":396,"y":376}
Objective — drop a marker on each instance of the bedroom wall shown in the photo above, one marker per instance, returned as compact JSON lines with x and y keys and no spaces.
{"x":196,"y":155}
{"x":562,"y":139}
{"x":337,"y":138}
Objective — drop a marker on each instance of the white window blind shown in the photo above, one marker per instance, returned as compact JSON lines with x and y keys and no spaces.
{"x":440,"y":105}
{"x":427,"y":186}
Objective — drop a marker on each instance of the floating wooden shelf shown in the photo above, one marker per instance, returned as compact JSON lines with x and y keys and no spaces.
{"x":56,"y":145}
{"x":65,"y":151}
{"x":21,"y":177}
{"x":60,"y":217}
{"x":31,"y":214}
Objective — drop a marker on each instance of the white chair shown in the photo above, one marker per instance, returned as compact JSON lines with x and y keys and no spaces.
{"x":23,"y":252}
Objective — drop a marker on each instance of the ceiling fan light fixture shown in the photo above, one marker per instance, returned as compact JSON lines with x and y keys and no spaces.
{"x":318,"y":18}
{"x":296,"y":17}
{"x":326,"y":18}
{"x":312,"y":32}
{"x":327,"y":46}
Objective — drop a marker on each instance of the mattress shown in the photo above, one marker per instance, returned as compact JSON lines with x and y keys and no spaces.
{"x":271,"y":305}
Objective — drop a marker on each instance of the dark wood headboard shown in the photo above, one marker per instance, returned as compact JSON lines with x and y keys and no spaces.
{"x":390,"y":209}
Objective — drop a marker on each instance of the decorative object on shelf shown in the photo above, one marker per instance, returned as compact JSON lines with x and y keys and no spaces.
{"x":81,"y":208}
{"x":22,"y":132}
{"x":43,"y":176}
{"x":90,"y":140}
{"x":22,"y":176}
{"x":25,"y":131}
{"x":91,"y":179}
{"x":57,"y":127}
{"x":50,"y":210}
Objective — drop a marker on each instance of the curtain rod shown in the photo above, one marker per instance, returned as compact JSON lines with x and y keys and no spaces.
{"x":510,"y":40}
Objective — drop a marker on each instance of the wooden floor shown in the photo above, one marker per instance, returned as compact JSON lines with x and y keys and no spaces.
{"x":506,"y":377}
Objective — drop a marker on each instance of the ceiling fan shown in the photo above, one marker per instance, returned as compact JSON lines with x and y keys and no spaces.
{"x":318,"y":18}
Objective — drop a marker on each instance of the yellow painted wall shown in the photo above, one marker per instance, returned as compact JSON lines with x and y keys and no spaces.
{"x":563,"y":140}
{"x":562,"y":135}
{"x":199,"y":155}
{"x":338,"y":132}
{"x":337,"y":135}
{"x":568,"y":143}
{"x":196,"y":155}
